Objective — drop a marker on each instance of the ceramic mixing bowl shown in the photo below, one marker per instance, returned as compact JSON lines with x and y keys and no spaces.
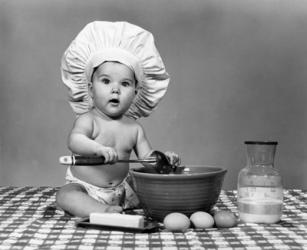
{"x":189,"y":189}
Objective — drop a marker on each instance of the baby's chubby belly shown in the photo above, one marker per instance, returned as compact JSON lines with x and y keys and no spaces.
{"x":107,"y":175}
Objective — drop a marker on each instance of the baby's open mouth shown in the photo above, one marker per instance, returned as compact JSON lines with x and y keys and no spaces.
{"x":114,"y":101}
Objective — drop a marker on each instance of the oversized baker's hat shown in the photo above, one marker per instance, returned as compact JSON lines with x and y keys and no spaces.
{"x":126,"y":43}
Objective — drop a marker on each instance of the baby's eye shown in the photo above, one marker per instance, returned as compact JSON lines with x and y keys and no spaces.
{"x":126,"y":84}
{"x":105,"y":80}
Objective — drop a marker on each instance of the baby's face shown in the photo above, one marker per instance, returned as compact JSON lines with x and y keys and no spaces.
{"x":113,"y":88}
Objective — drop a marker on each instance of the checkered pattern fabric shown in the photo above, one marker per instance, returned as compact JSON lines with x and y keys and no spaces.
{"x":29,"y":220}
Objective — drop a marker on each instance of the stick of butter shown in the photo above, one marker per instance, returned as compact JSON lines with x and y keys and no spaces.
{"x":117,"y":220}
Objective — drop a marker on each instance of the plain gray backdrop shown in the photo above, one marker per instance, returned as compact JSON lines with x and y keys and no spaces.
{"x":238,"y":72}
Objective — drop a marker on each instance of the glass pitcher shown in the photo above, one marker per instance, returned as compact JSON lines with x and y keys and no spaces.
{"x":260,"y":192}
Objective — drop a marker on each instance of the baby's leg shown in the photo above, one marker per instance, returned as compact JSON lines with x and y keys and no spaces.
{"x":74,"y":199}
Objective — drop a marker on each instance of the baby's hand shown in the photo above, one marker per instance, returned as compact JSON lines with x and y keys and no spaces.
{"x":173,"y":158}
{"x":108,"y":153}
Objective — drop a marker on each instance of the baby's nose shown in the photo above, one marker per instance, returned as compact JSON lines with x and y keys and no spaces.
{"x":115,"y":90}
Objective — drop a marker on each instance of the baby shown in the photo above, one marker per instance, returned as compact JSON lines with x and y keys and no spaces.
{"x":110,"y":86}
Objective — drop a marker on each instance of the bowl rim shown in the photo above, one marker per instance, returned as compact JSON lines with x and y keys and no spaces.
{"x":219,"y":171}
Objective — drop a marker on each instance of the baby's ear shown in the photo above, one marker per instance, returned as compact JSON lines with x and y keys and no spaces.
{"x":90,"y":88}
{"x":137,"y":90}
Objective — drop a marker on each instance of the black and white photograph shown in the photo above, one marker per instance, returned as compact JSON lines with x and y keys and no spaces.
{"x":166,"y":124}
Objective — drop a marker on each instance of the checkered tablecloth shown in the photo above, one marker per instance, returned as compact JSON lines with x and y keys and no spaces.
{"x":29,"y":220}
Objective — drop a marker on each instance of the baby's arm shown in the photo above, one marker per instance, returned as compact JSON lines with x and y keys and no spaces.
{"x":142,"y":148}
{"x":80,"y":140}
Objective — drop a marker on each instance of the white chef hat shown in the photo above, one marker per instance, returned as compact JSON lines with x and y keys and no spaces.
{"x":126,"y":43}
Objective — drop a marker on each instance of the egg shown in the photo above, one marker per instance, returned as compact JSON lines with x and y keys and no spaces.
{"x":202,"y":220}
{"x":176,"y":222}
{"x":225,"y":219}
